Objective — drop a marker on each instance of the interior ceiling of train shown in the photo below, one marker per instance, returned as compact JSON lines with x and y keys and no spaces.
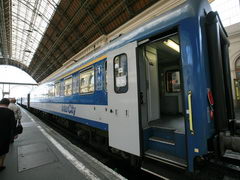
{"x":39,"y":36}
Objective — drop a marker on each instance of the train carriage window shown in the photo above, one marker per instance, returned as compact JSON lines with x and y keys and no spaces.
{"x":173,"y":81}
{"x":120,"y":73}
{"x":50,"y":90}
{"x":87,"y":81}
{"x":57,"y":89}
{"x":68,"y":87}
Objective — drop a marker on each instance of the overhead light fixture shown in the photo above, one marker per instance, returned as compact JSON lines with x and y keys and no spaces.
{"x":170,"y":43}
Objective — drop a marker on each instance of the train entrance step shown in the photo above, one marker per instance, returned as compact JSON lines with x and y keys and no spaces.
{"x":162,"y":170}
{"x":167,"y":141}
{"x":166,"y":159}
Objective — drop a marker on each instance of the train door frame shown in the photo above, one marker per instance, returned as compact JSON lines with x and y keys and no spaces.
{"x":143,"y":112}
{"x":151,"y":40}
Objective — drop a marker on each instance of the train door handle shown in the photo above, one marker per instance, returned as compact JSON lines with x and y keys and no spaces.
{"x":190,"y":112}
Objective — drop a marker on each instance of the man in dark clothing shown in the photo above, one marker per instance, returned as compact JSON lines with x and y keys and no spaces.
{"x":7,"y":126}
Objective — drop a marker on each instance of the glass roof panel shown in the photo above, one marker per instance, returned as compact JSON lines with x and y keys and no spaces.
{"x":229,"y":11}
{"x":30,"y":19}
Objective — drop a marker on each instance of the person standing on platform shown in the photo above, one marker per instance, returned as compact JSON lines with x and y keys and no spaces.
{"x":17,"y":113}
{"x":7,"y":126}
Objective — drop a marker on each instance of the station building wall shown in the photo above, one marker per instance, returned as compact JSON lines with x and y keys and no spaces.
{"x":234,"y":55}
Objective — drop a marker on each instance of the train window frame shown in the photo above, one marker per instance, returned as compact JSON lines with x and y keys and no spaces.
{"x":167,"y":81}
{"x":59,"y":94}
{"x":64,"y":84}
{"x":94,"y":83}
{"x":75,"y":83}
{"x":105,"y":76}
{"x":119,"y":79}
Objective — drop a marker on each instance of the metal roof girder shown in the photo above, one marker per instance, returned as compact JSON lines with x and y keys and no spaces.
{"x":62,"y":33}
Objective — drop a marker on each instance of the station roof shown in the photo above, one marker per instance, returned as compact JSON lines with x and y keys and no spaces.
{"x":39,"y":36}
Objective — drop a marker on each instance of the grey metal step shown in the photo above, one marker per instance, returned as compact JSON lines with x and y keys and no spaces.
{"x":162,"y":171}
{"x":162,"y":140}
{"x":163,"y":128}
{"x":154,"y":172}
{"x":166,"y":158}
{"x":167,"y":129}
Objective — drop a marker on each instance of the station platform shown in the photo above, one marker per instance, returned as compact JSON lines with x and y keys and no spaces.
{"x":42,"y":153}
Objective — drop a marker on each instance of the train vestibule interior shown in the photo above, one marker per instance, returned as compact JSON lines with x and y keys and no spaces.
{"x":161,"y":83}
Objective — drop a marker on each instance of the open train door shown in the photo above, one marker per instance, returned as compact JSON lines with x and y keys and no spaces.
{"x":123,"y":99}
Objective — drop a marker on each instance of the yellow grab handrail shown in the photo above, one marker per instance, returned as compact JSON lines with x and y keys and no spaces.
{"x":190,"y":112}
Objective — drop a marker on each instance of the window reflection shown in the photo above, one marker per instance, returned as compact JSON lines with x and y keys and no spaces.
{"x":68,"y":87}
{"x":87,"y":81}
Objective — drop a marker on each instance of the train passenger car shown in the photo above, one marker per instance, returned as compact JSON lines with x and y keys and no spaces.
{"x":24,"y":101}
{"x":160,"y":93}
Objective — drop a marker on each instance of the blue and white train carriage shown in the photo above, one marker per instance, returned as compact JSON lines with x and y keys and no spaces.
{"x":162,"y":92}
